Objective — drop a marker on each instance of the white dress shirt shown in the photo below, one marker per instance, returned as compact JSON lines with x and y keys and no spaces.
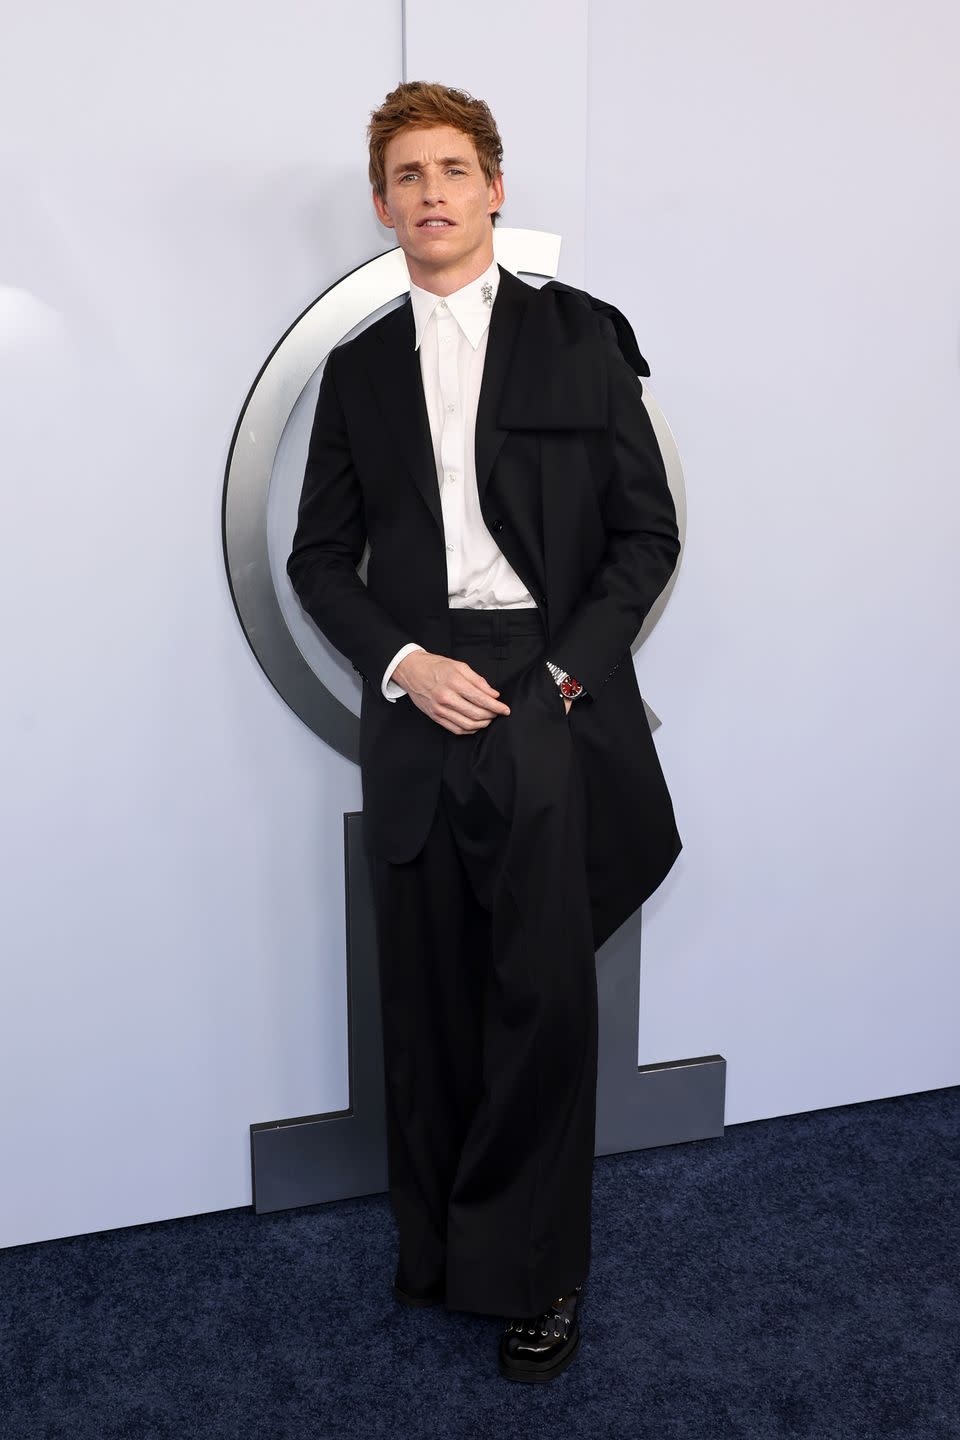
{"x":451,"y":335}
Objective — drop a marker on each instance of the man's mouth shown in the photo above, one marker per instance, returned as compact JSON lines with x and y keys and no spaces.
{"x":433,"y":222}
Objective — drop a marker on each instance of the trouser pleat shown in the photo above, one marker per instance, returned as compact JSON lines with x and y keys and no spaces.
{"x":489,"y":1005}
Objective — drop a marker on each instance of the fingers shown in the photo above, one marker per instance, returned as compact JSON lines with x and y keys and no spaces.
{"x":477,"y":681}
{"x":473,"y":689}
{"x":459,"y":713}
{"x":465,"y":698}
{"x":451,"y":693}
{"x":465,"y":729}
{"x":471,"y":706}
{"x":453,"y":713}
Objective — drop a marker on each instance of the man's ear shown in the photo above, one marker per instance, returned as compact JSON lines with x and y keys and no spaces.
{"x":496,"y":185}
{"x":383,"y":215}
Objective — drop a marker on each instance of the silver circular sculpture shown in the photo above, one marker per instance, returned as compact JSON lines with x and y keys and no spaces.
{"x":257,"y":539}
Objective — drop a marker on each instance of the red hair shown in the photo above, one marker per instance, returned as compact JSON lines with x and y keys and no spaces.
{"x":418,"y":105}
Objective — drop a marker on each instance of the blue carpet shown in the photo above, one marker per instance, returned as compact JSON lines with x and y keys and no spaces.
{"x":797,"y":1278}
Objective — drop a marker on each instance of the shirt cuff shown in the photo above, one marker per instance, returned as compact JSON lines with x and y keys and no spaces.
{"x":391,"y":690}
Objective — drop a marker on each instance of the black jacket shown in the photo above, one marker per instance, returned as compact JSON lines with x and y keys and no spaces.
{"x":571,"y":484}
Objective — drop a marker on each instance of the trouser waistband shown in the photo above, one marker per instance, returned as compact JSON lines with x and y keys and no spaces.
{"x":495,"y":624}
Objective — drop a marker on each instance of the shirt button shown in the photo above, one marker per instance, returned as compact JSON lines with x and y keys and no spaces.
{"x":451,"y":477}
{"x":451,"y":407}
{"x":443,"y":304}
{"x":450,"y":548}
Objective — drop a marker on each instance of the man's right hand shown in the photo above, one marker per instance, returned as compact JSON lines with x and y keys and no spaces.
{"x":452,"y":694}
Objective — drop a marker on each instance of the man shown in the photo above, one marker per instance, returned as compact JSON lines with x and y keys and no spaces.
{"x":490,"y":441}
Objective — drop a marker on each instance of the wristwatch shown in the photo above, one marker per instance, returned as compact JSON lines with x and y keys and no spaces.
{"x":569,"y":688}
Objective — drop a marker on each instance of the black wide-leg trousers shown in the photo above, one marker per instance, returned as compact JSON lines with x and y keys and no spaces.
{"x":489,"y":1001}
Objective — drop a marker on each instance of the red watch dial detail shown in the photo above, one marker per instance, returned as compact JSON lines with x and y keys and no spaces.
{"x":570,"y":688}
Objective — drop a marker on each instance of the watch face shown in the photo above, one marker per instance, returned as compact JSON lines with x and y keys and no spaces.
{"x":570,"y":688}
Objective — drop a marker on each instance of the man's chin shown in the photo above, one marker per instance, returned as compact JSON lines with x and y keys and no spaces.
{"x":441,"y":241}
{"x":434,"y":257}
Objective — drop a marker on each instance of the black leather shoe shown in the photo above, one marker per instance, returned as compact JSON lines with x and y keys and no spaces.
{"x":408,"y":1297}
{"x":540,"y":1347}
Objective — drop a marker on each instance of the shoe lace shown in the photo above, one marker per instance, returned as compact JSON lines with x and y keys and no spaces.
{"x":553,"y":1317}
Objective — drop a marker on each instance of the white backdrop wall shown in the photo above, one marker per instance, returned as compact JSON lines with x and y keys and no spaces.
{"x":529,"y":63}
{"x":775,"y":214}
{"x":771,"y":196}
{"x":184,"y":181}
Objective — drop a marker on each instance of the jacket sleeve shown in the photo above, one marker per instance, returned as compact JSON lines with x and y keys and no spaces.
{"x":329,"y":541}
{"x":642,"y":538}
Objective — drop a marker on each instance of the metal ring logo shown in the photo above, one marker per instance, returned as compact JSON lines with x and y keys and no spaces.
{"x":289,"y":368}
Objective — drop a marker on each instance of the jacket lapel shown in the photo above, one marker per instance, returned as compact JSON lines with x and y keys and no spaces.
{"x":395,"y":372}
{"x":505,"y":322}
{"x":398,"y":386}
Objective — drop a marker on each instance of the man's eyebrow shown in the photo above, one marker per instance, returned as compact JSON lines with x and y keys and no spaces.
{"x":444,"y":160}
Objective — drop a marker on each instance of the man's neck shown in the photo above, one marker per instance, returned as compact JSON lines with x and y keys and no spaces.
{"x":446,"y":281}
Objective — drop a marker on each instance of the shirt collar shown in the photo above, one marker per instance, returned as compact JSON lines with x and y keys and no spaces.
{"x":467,"y":305}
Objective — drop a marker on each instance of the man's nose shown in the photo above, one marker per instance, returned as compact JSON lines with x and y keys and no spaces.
{"x":433,"y":193}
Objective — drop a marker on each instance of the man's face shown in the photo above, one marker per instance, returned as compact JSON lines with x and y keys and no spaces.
{"x":439,"y":203}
